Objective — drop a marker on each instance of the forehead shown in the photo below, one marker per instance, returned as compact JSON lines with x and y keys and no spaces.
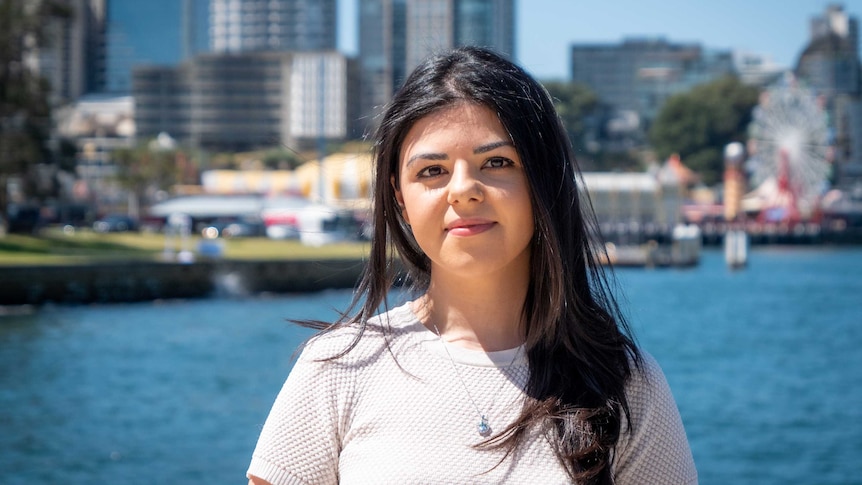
{"x":462,"y":124}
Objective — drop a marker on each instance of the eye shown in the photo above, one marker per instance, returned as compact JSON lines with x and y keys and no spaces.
{"x":499,"y":162}
{"x":432,"y":171}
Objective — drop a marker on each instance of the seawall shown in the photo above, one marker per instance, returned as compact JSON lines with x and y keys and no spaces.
{"x":130,"y":281}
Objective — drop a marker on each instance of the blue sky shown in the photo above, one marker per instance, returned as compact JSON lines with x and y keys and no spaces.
{"x":545,"y":28}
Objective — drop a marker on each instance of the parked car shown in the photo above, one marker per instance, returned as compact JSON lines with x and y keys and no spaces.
{"x":22,"y":218}
{"x":232,"y":228}
{"x":115,"y":223}
{"x":281,"y":216}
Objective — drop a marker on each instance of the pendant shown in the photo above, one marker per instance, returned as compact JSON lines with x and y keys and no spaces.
{"x":483,"y":427}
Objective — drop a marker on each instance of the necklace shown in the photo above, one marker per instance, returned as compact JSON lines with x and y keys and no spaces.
{"x":483,"y":427}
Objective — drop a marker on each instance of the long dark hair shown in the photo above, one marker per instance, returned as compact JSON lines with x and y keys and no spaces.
{"x":577,"y":340}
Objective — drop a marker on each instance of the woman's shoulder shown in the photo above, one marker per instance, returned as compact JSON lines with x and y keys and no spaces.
{"x":645,"y":366}
{"x":647,"y":378}
{"x":653,"y":447}
{"x":358,"y":339}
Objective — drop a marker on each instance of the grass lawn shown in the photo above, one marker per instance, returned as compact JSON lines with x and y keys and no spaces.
{"x":52,"y":246}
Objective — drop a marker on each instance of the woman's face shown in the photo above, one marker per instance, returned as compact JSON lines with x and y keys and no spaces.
{"x":463,"y":190}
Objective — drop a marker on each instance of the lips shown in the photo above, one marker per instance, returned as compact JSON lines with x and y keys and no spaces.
{"x":469,"y":227}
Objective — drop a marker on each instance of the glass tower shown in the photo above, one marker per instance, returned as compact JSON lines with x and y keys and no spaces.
{"x":155,"y":32}
{"x":277,"y":25}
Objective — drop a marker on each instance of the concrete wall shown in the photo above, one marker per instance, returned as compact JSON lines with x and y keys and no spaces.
{"x":141,"y":281}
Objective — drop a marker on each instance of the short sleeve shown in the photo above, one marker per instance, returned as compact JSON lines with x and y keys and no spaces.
{"x":299,"y":441}
{"x":654,"y":449}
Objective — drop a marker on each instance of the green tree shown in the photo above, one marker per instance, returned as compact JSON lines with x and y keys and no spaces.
{"x":699,"y":123}
{"x":281,"y":158}
{"x":146,"y":169}
{"x":576,"y":105}
{"x":25,"y":114}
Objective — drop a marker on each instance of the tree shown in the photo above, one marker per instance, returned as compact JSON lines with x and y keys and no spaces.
{"x":281,"y":158}
{"x":25,"y":115}
{"x":147,"y":169}
{"x":576,"y":104}
{"x":583,"y":116}
{"x":699,"y":123}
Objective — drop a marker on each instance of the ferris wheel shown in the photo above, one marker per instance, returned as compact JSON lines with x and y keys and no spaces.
{"x":788,"y":140}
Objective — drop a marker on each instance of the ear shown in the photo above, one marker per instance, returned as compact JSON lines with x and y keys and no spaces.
{"x":399,"y":197}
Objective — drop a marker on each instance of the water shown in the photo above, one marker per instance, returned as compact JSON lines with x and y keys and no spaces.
{"x":765,"y":365}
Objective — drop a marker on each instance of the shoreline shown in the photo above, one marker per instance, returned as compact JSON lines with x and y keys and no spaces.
{"x":131,"y":281}
{"x":126,"y":281}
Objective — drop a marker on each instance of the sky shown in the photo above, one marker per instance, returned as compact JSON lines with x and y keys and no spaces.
{"x":546,"y":28}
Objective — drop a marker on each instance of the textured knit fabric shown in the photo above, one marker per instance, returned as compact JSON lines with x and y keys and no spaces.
{"x":369,"y":418}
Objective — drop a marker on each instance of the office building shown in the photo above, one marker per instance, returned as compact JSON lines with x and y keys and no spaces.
{"x":261,"y":25}
{"x":830,"y":66}
{"x":237,"y":102}
{"x":382,"y":41}
{"x":95,"y":49}
{"x":395,"y":35}
{"x":635,"y":77}
{"x":830,"y":61}
{"x":756,"y":69}
{"x":151,"y":33}
{"x":433,"y":25}
{"x":72,"y":59}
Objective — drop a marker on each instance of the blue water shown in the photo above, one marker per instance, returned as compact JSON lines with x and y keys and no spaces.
{"x":765,"y":364}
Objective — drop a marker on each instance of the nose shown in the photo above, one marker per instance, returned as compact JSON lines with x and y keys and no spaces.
{"x":464,"y":186}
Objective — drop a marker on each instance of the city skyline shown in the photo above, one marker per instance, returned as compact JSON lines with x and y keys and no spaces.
{"x":732,"y":25}
{"x":776,"y":29}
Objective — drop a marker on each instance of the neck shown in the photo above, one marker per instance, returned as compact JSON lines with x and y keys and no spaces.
{"x":482,"y":313}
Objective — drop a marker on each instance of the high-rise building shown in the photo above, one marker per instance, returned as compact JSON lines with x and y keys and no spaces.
{"x":243,"y":101}
{"x":830,"y":66}
{"x":433,"y":25}
{"x":635,"y":77}
{"x":830,"y":61}
{"x":382,"y":42}
{"x":196,"y":32}
{"x":261,"y":25}
{"x":756,"y":69}
{"x":73,"y":58}
{"x":155,"y":32}
{"x":395,"y":35}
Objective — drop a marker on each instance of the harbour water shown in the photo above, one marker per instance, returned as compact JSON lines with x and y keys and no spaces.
{"x":765,"y":364}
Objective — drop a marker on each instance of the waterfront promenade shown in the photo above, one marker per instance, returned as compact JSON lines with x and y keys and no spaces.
{"x":761,"y":362}
{"x":84,"y":267}
{"x":759,"y":233}
{"x":110,"y":268}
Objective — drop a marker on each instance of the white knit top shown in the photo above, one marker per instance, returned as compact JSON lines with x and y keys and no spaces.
{"x":369,"y":418}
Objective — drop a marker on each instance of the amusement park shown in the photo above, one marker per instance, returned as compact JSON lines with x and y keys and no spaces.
{"x":777,"y":187}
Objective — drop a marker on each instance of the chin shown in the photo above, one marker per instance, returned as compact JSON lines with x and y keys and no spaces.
{"x":481,"y":266}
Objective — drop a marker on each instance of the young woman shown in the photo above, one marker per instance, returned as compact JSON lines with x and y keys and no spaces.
{"x":511,"y":363}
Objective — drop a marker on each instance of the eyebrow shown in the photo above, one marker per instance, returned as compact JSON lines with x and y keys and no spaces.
{"x":476,"y":151}
{"x":492,"y":146}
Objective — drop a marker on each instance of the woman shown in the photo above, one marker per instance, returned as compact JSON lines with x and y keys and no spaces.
{"x":512,"y":363}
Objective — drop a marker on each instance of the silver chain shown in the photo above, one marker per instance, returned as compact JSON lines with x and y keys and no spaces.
{"x":483,"y":427}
